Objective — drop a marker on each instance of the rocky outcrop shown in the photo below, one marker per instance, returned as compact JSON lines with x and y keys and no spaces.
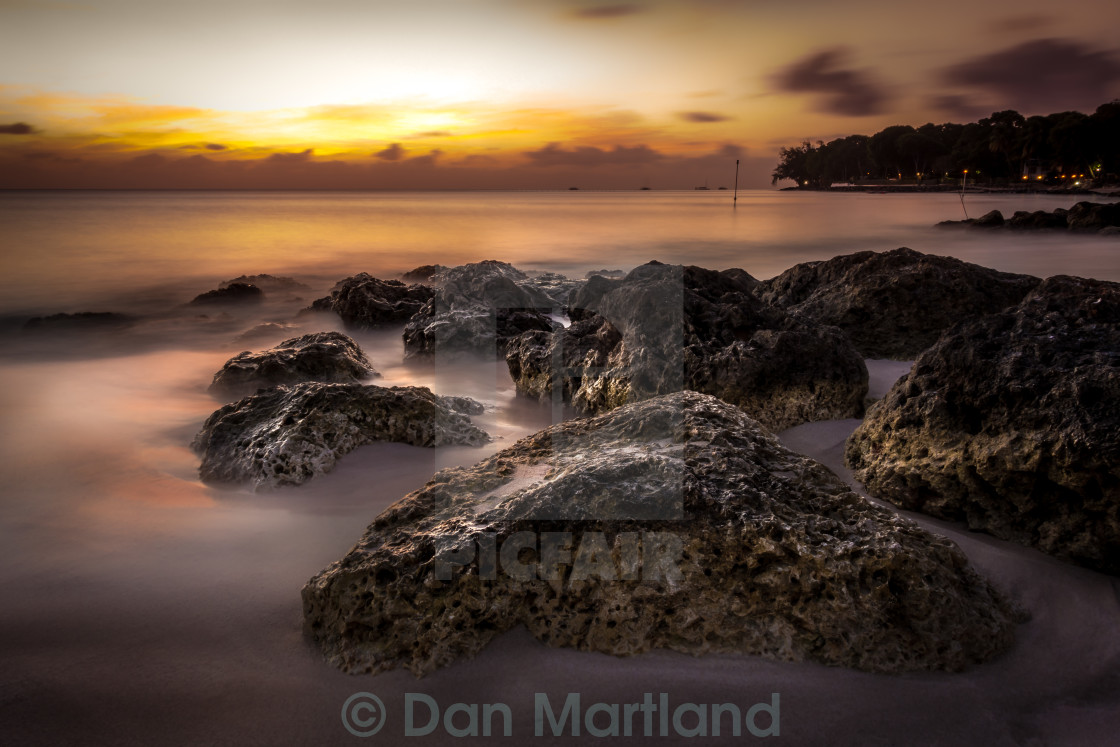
{"x":234,"y":293}
{"x":422,"y":274}
{"x":289,"y":434}
{"x":1009,"y":423}
{"x":478,"y":308}
{"x":1093,"y":216}
{"x":741,"y":276}
{"x":554,"y":285}
{"x":893,"y":304}
{"x":322,"y":356}
{"x":1086,"y":217}
{"x":664,"y":328}
{"x":990,"y":219}
{"x":363,"y":301}
{"x":1038,"y":219}
{"x":268,"y":283}
{"x":675,"y":523}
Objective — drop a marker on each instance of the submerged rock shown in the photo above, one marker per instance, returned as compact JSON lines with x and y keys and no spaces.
{"x":1085,"y":216}
{"x":321,"y":356}
{"x":478,"y":308}
{"x":1094,"y":216}
{"x":893,"y":304}
{"x":364,"y":301}
{"x":675,"y":523}
{"x":268,"y":283}
{"x":665,"y":328}
{"x":229,"y":294}
{"x":289,"y":434}
{"x":1010,"y":423}
{"x":1038,"y":219}
{"x":990,"y":219}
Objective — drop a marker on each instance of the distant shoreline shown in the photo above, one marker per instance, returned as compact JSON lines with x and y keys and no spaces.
{"x":1106,"y":191}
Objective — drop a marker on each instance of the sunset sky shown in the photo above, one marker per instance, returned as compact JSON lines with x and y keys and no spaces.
{"x":509,"y":93}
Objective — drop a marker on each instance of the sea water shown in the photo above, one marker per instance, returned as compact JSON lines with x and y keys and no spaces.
{"x":138,"y":600}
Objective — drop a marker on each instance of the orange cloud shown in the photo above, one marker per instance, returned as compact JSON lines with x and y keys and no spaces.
{"x":88,"y":142}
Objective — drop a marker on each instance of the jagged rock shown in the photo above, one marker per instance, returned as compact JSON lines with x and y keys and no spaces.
{"x":364,"y":301}
{"x":268,"y":283}
{"x":422,"y":274}
{"x":288,"y":434}
{"x":1009,"y":423}
{"x":1084,"y":216}
{"x":990,"y":219}
{"x":894,"y":304}
{"x":587,"y":298}
{"x":229,"y":294}
{"x":688,"y":526}
{"x":321,"y":356}
{"x":741,"y":276}
{"x":966,"y":223}
{"x":1037,"y":219}
{"x":664,"y":328}
{"x":1093,"y":216}
{"x":477,"y":308}
{"x":554,"y":285}
{"x":82,"y":321}
{"x":604,"y":273}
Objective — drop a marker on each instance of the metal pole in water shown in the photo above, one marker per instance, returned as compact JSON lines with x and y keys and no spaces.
{"x":735,"y":199}
{"x":964,"y":185}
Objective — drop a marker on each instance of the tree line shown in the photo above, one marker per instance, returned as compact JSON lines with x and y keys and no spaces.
{"x":1002,"y":148}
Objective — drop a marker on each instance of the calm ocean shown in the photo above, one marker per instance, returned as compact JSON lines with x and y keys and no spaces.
{"x":65,"y":250}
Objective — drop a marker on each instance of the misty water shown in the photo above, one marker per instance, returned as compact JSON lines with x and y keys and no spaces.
{"x":138,"y":601}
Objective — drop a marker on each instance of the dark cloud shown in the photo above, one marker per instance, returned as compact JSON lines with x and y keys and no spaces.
{"x":215,"y":146}
{"x":430,"y":133}
{"x":1021,"y":24}
{"x":425,"y":161}
{"x":17,"y":128}
{"x":702,"y":117}
{"x":601,"y":12}
{"x":1040,"y":76}
{"x":302,"y":157}
{"x":852,"y":93}
{"x":393,"y":153}
{"x":554,"y":154}
{"x":558,"y":168}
